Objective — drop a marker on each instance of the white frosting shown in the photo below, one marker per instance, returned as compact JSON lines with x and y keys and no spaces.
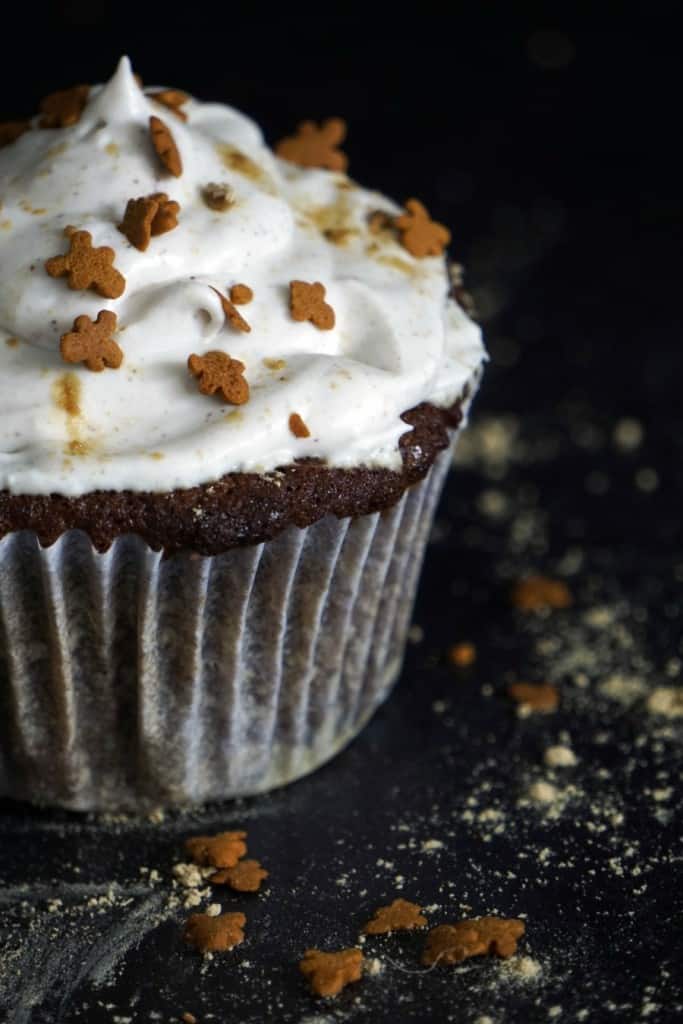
{"x":398,"y":340}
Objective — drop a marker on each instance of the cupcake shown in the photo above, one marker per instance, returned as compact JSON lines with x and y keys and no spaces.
{"x":230,"y":380}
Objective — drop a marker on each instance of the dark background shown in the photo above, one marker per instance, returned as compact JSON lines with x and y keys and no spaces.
{"x":546,"y":143}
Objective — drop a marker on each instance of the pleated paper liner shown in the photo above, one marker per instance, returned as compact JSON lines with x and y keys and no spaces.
{"x":129,"y":680}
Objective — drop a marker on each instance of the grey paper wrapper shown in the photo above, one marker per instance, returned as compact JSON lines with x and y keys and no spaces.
{"x":129,"y":681}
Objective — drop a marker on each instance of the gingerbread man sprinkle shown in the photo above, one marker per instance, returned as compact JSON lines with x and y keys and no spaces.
{"x":419,"y":234}
{"x":63,"y":108}
{"x":147,"y":216}
{"x":165,"y":146}
{"x":297,"y":426}
{"x":216,"y":371}
{"x":234,"y":318}
{"x":241,"y":294}
{"x":315,"y":146}
{"x":87,"y":267}
{"x":92,"y":343}
{"x":173,"y":100}
{"x":307,"y":302}
{"x":220,"y":851}
{"x":539,"y":593}
{"x":329,"y":973}
{"x":215,"y":934}
{"x":481,"y":936}
{"x":532,"y":697}
{"x":246,"y":876}
{"x":401,"y":915}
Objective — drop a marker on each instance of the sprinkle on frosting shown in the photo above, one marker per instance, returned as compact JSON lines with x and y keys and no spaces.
{"x":315,"y":146}
{"x":234,"y":318}
{"x":147,"y":216}
{"x":215,"y":934}
{"x":329,"y":973}
{"x":246,"y":876}
{"x":164,"y":144}
{"x":218,"y":196}
{"x":63,"y":108}
{"x":11,"y":130}
{"x":172,"y":99}
{"x":419,"y":234}
{"x":307,"y":302}
{"x":216,"y":371}
{"x":481,"y":936}
{"x":88,"y":267}
{"x":297,"y":426}
{"x":92,"y":343}
{"x":241,"y":294}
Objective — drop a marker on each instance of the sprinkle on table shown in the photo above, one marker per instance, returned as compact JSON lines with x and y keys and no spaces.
{"x":329,"y":973}
{"x":480,"y":936}
{"x":401,"y":915}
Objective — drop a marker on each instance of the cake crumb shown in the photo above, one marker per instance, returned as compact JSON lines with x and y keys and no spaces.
{"x":666,"y":701}
{"x":543,"y":792}
{"x":560,"y":756}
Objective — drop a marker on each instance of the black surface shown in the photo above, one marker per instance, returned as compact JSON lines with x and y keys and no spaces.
{"x":560,"y":187}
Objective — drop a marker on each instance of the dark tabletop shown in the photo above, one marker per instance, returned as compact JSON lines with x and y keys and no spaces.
{"x":544,"y":145}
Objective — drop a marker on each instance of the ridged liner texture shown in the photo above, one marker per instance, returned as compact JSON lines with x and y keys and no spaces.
{"x":129,"y":680}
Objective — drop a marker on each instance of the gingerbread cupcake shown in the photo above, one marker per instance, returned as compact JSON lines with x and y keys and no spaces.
{"x":230,"y":380}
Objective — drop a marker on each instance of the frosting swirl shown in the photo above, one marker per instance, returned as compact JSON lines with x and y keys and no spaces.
{"x":397,"y":338}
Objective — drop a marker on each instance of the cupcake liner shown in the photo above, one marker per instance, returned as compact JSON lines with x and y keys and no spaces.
{"x":130,"y":680}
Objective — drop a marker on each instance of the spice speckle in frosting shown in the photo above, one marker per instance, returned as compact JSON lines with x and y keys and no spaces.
{"x":307,"y":302}
{"x":314,"y":146}
{"x":238,"y":161}
{"x":64,"y":107}
{"x":297,"y":426}
{"x":216,"y":371}
{"x":147,"y":216}
{"x":92,"y":343}
{"x":67,"y":394}
{"x":165,"y":146}
{"x":218,"y":196}
{"x":234,"y":318}
{"x":419,"y":234}
{"x":88,"y":267}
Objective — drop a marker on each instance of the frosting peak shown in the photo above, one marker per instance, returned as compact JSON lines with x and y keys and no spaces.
{"x":235,"y":215}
